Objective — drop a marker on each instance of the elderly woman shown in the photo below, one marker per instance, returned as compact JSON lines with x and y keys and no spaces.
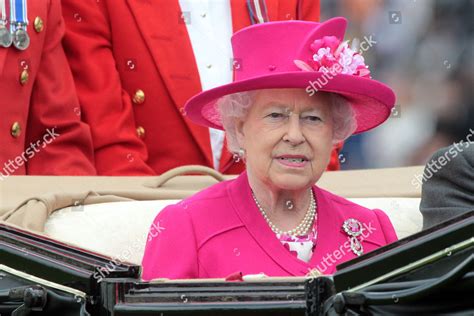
{"x":299,"y":90}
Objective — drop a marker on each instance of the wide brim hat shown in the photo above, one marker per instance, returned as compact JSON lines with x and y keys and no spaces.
{"x":298,"y":54}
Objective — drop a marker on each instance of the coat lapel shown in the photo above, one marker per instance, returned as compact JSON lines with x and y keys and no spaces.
{"x":329,"y":228}
{"x":167,"y":39}
{"x":242,"y":200}
{"x":330,"y":234}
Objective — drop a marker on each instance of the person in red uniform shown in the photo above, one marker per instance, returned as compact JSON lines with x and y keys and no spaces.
{"x":136,"y":63}
{"x":41,"y":128}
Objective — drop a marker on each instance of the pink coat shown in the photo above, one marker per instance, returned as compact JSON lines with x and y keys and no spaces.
{"x":220,"y":231}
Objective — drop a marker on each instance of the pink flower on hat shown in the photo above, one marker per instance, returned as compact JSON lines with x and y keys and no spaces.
{"x":328,"y":52}
{"x":330,"y":42}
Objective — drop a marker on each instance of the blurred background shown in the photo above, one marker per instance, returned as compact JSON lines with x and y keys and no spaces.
{"x":424,"y":50}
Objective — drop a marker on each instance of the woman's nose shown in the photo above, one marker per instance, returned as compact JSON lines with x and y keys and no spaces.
{"x":294,"y":134}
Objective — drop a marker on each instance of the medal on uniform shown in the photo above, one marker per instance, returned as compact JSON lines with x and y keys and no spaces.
{"x":19,"y":24}
{"x":21,"y":39}
{"x":5,"y":35}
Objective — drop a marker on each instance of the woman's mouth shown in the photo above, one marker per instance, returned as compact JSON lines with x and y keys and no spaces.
{"x":293,"y":161}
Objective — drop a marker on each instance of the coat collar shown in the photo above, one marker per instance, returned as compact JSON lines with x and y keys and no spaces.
{"x":330,"y":234}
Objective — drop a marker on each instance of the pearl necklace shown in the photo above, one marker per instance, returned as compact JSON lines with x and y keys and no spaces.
{"x":299,"y":230}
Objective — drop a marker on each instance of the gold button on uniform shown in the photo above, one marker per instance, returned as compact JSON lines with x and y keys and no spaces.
{"x":39,"y":25}
{"x":139,"y":97}
{"x":140,"y":131}
{"x":24,"y":77}
{"x":16,"y":129}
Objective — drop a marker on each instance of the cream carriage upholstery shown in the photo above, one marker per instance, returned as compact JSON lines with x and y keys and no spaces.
{"x":118,"y":226}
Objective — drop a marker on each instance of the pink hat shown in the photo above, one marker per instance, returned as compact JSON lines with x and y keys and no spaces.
{"x":299,"y":54}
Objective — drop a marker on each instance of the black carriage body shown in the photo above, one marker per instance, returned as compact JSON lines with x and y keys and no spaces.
{"x":431,"y":271}
{"x":112,"y":288}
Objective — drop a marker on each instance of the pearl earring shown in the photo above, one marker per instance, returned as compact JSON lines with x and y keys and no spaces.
{"x":239,"y":155}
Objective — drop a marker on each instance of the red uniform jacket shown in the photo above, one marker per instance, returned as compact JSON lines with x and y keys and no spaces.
{"x":119,"y":47}
{"x":40,"y":126}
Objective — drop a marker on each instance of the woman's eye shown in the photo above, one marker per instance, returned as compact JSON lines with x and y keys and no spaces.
{"x":312,"y":118}
{"x":275,"y":115}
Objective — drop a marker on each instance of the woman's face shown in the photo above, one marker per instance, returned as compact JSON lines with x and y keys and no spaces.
{"x":287,"y":136}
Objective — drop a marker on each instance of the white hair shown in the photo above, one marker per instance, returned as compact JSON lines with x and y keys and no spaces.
{"x":235,"y":107}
